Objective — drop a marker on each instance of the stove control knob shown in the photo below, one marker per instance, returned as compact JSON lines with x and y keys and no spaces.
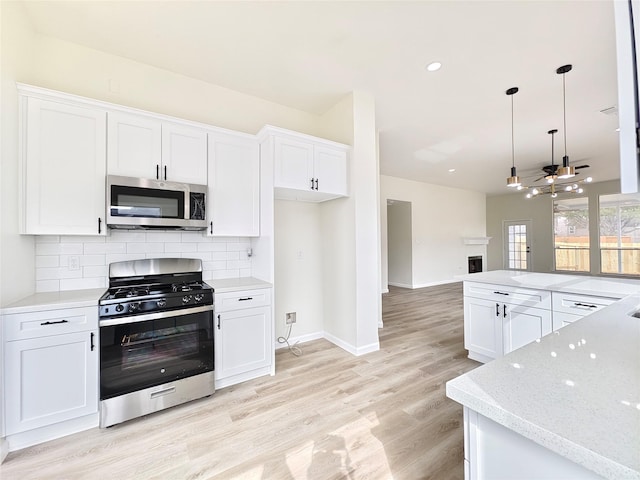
{"x":161,"y":303}
{"x":186,"y":299}
{"x":119,"y":307}
{"x":133,"y":307}
{"x":198,"y":297}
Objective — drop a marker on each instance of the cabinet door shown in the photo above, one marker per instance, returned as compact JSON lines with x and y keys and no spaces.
{"x":234,"y":186}
{"x":562,"y":319}
{"x":330,"y":170}
{"x":293,"y":164}
{"x":64,"y":189}
{"x":243,"y":341}
{"x":523,"y":325}
{"x":134,"y":145}
{"x":184,"y":154}
{"x":50,"y":379}
{"x":483,"y":327}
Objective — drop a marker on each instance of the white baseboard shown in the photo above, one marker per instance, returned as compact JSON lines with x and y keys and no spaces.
{"x":4,"y":449}
{"x":384,"y":290}
{"x":357,"y":351}
{"x":300,"y":339}
{"x":423,"y":285}
{"x":29,"y":438}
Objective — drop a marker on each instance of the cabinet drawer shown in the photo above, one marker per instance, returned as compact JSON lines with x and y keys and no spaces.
{"x":225,"y":302}
{"x":562,"y":319}
{"x":20,"y":326}
{"x":576,"y":304}
{"x":509,"y":294}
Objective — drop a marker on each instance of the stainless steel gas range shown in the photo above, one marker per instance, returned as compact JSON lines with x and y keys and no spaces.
{"x":156,"y":338}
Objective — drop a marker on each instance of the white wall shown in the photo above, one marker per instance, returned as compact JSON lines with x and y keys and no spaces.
{"x":399,"y":239}
{"x":298,"y":267}
{"x":514,"y":206}
{"x":441,"y":218}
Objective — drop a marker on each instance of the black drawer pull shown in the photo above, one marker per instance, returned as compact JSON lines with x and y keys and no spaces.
{"x":93,"y":346}
{"x":501,"y":293}
{"x":585,"y":305}
{"x":497,"y":309}
{"x":53,"y":323}
{"x":218,"y":322}
{"x":245,"y":299}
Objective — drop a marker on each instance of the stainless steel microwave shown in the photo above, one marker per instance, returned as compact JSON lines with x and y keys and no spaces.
{"x":147,"y":203}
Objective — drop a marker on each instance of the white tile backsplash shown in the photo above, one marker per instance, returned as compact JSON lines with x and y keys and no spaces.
{"x":222,"y":257}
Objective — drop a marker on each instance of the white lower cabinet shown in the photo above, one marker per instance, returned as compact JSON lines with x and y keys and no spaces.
{"x":244,"y":346}
{"x":50,"y":374}
{"x":496,"y":452}
{"x":49,"y":380}
{"x":524,"y":325}
{"x":499,"y":319}
{"x":569,"y":307}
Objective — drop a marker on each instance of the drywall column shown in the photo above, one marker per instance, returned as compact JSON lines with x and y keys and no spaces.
{"x":351,"y":249}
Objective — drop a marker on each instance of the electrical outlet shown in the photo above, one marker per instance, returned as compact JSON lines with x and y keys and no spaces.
{"x":290,"y":318}
{"x":73,"y":263}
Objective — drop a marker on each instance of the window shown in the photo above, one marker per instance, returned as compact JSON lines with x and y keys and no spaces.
{"x":571,"y":234}
{"x":620,"y":234}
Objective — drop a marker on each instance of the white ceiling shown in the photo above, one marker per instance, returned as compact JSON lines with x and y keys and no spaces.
{"x":308,"y":55}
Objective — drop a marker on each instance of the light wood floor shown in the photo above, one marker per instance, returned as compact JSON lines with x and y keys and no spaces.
{"x":325,"y":415}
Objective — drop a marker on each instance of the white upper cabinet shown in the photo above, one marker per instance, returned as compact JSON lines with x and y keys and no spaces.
{"x":234,"y":186}
{"x":63,"y":167}
{"x":307,"y":168}
{"x":134,"y":145}
{"x":146,"y":147}
{"x":184,"y":154}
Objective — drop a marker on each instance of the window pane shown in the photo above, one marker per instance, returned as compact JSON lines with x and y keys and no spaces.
{"x":619,"y":222}
{"x":571,"y":234}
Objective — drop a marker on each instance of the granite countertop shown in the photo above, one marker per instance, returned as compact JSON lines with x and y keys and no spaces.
{"x":575,"y":391}
{"x":224,"y":285}
{"x":559,"y":282}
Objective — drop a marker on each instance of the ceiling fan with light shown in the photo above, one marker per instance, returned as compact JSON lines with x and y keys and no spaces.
{"x":558,"y":178}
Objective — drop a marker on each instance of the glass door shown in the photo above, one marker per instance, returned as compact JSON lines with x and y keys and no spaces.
{"x":517,"y":249}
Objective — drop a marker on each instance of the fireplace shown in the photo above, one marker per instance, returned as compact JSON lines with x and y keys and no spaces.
{"x":475,"y":264}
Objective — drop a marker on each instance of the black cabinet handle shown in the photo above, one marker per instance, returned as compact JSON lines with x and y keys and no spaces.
{"x":312,"y":184}
{"x":497,"y":309}
{"x":585,"y":305}
{"x":157,"y":172}
{"x":316,"y":184}
{"x":504,"y":314}
{"x":99,"y":225}
{"x":92,"y":344}
{"x":54,"y":323}
{"x":218,"y":322}
{"x":245,"y":299}
{"x":165,"y":172}
{"x":501,"y":293}
{"x":211,"y":227}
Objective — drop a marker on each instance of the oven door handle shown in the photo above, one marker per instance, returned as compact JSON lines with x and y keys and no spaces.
{"x":108,"y":322}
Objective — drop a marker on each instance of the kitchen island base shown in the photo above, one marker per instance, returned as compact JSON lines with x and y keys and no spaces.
{"x":492,"y":451}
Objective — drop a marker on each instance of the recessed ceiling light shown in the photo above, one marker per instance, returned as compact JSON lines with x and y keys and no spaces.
{"x":451,"y":170}
{"x":434,"y":66}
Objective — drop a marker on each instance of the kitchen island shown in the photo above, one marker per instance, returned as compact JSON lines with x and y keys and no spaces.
{"x":564,"y":406}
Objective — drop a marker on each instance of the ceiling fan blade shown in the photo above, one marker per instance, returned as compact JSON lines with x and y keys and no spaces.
{"x":581,"y":166}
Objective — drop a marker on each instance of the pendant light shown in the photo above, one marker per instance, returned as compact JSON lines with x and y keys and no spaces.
{"x":514,"y":179}
{"x":566,"y":171}
{"x":551,"y":178}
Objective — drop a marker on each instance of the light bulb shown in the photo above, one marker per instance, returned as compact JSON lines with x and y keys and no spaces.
{"x":568,"y":188}
{"x":580,"y":190}
{"x":588,"y":179}
{"x":574,"y":186}
{"x":520,"y":187}
{"x":535,"y":191}
{"x":529,"y":195}
{"x":549,"y":179}
{"x":554,"y":195}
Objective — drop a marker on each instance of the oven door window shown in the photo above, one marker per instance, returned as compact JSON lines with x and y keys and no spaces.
{"x":139,"y":355}
{"x":146,"y":202}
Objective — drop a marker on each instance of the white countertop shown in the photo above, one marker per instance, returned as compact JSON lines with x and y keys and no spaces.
{"x":234,"y":284}
{"x":55,"y":301}
{"x":559,"y":282}
{"x":575,"y":391}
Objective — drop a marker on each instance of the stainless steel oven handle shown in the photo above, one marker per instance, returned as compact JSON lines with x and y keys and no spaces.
{"x":108,"y":322}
